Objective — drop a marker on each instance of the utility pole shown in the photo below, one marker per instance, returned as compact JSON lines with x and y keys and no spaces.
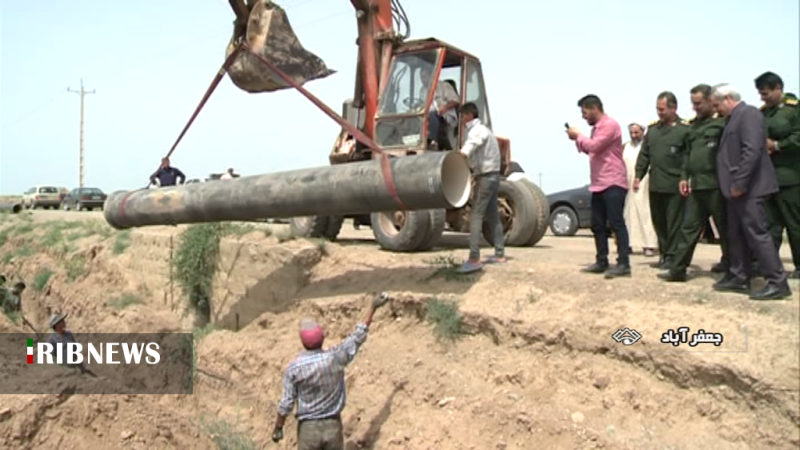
{"x":82,"y":93}
{"x":540,"y":180}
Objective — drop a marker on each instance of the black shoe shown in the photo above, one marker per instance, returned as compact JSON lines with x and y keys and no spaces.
{"x":719,"y":267}
{"x":795,"y":275}
{"x":730,"y":284}
{"x":657,"y":265}
{"x":666,"y":264}
{"x":772,"y":292}
{"x":620,"y":270}
{"x":671,"y":276}
{"x":595,"y":268}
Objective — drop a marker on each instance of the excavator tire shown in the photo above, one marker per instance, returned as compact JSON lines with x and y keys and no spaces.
{"x":542,"y":210}
{"x":408,"y":236}
{"x":520,"y":207}
{"x":438,"y":219}
{"x":325,"y":227}
{"x":334,"y":227}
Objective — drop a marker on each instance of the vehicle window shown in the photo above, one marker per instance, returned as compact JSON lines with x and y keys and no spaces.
{"x":476,"y":93}
{"x":91,"y":191}
{"x":48,"y":190}
{"x":406,"y":93}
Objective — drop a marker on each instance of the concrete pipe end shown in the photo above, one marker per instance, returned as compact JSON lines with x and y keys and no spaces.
{"x":456,"y":179}
{"x":15,"y":208}
{"x":112,"y":209}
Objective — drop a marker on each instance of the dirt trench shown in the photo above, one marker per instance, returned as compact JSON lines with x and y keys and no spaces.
{"x":514,"y":364}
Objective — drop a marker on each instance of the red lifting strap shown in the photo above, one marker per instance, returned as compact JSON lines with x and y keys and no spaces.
{"x":213,"y":86}
{"x":386,"y":168}
{"x":214,"y":83}
{"x":352,"y":129}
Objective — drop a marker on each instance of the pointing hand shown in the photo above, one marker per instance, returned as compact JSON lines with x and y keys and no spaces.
{"x":277,"y":434}
{"x":380,"y":301}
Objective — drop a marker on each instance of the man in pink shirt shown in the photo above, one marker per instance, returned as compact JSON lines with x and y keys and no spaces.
{"x":609,"y":185}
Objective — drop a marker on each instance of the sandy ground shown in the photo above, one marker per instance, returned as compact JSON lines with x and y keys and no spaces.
{"x":535,"y":365}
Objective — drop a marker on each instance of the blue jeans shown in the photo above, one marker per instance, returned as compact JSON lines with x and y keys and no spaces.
{"x":433,"y":125}
{"x":484,"y":206}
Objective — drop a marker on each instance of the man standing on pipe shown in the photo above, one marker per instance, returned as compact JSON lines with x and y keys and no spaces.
{"x":315,"y":380}
{"x":167,"y":175}
{"x":483,"y":153}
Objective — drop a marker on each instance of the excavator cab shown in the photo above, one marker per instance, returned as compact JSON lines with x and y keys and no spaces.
{"x":401,"y":128}
{"x":403,"y":118}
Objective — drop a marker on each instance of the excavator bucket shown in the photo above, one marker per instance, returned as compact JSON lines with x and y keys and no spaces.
{"x":266,"y":29}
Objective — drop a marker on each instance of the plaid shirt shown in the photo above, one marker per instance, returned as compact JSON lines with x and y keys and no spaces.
{"x":316,"y":379}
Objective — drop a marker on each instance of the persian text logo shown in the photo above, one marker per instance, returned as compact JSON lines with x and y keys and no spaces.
{"x":73,"y":351}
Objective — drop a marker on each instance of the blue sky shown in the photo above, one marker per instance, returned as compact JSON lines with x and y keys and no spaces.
{"x":151,"y":61}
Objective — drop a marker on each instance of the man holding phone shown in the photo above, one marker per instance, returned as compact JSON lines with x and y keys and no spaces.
{"x":609,"y":185}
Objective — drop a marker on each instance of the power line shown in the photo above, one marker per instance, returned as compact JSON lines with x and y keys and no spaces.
{"x":37,"y":109}
{"x":83,"y":92}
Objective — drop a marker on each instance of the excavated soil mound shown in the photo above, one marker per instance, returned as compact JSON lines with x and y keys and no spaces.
{"x":517,"y":357}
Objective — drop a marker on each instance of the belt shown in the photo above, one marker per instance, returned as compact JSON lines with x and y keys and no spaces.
{"x":333,"y":417}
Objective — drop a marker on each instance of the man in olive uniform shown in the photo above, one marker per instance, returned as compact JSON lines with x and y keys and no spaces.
{"x":782,"y":114}
{"x":699,"y":184}
{"x":662,"y":154}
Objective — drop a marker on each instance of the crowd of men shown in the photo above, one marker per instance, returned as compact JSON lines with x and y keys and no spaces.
{"x":732,"y":162}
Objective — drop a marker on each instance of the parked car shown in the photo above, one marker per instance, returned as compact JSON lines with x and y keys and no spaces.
{"x":570,"y":211}
{"x":84,"y":198}
{"x":45,"y":196}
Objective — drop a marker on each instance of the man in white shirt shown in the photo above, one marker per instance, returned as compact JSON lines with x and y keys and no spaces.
{"x":483,"y":153}
{"x":227,"y":175}
{"x":443,"y":108}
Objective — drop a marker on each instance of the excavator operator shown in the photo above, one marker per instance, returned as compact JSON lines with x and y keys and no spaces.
{"x":442,"y":116}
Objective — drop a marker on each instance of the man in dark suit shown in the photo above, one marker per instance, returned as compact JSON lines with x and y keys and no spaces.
{"x":746,"y":180}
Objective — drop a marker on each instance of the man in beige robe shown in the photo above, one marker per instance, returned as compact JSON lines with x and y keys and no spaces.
{"x":637,"y":203}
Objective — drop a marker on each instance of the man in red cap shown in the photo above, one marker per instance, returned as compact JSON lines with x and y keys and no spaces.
{"x":315,"y":380}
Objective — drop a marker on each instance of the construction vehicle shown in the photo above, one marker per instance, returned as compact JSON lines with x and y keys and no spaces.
{"x":387,"y":116}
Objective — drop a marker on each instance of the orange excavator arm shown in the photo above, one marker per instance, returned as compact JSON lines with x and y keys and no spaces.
{"x":265,"y":55}
{"x":266,"y":29}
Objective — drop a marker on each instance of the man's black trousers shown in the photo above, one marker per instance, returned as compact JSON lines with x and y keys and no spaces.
{"x":608,"y":208}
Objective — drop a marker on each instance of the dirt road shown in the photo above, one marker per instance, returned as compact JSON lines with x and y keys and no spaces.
{"x":528,"y":355}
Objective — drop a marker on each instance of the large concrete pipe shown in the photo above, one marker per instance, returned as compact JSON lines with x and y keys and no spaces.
{"x":431,"y":180}
{"x":13,"y":207}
